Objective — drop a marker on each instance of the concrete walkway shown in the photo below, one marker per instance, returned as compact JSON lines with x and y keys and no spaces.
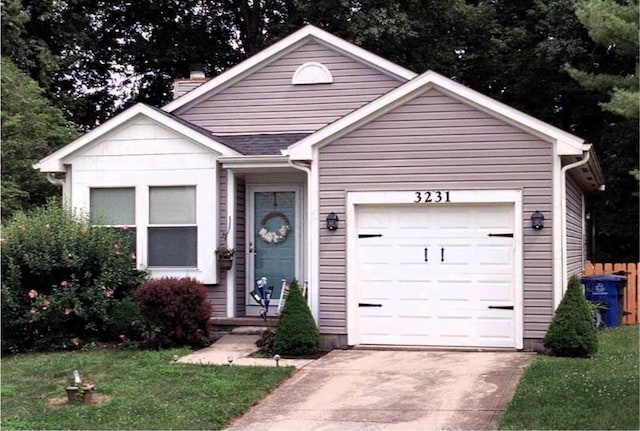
{"x":369,"y":389}
{"x":237,"y":346}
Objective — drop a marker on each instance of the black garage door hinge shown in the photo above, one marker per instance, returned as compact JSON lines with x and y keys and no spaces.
{"x":503,"y":235}
{"x":364,"y":304}
{"x":502,"y":307}
{"x":370,"y":235}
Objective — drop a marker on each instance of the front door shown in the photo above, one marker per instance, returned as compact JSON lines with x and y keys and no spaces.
{"x":273,"y":240}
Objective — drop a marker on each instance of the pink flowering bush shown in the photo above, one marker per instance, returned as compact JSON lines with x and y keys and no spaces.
{"x":61,"y":281}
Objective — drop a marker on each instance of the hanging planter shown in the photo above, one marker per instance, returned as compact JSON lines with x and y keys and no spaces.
{"x":225,"y":258}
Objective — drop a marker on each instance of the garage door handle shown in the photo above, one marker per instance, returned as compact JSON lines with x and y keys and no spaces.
{"x":502,"y":307}
{"x":364,"y":304}
{"x":426,"y":254}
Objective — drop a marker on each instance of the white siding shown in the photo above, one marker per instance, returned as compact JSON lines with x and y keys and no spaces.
{"x":141,"y":154}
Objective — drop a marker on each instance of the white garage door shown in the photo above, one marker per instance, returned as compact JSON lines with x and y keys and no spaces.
{"x":438,"y":276}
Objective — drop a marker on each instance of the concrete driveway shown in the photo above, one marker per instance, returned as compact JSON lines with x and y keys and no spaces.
{"x":375,"y":389}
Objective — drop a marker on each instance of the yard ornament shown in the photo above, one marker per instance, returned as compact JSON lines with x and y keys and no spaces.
{"x":262,"y":295}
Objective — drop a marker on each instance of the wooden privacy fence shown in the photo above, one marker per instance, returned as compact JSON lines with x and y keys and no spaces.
{"x":631,"y":297}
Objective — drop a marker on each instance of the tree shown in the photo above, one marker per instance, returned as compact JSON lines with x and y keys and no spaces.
{"x":296,"y":333}
{"x":31,"y":128}
{"x":572,"y":332}
{"x":614,"y":26}
{"x":93,"y":58}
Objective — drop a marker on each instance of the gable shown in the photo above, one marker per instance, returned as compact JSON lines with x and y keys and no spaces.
{"x":436,"y":139}
{"x":267,"y":101}
{"x":140,"y":123}
{"x":141,"y":143}
{"x":280,"y":48}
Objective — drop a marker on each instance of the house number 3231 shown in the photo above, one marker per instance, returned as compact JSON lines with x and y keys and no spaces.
{"x":434,"y":196}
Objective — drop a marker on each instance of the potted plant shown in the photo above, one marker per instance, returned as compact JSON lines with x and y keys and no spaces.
{"x":225,"y":258}
{"x":87,"y":391}
{"x":72,"y":392}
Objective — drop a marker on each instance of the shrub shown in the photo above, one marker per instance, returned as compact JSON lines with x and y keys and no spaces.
{"x":296,"y":333}
{"x":176,"y":312}
{"x":265,"y":342}
{"x":60,"y":277}
{"x":126,"y":322}
{"x":571,"y":332}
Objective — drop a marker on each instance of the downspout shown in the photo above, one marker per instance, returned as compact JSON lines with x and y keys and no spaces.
{"x":313,"y":303}
{"x":563,"y":213}
{"x":60,"y":182}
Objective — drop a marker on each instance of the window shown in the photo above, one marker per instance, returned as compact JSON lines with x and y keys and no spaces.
{"x":172,"y":233}
{"x":114,"y":207}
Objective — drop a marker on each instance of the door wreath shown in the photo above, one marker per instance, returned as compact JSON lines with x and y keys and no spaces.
{"x":277,"y":236}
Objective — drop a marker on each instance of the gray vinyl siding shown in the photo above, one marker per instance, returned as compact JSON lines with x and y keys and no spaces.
{"x":435,"y":142}
{"x":241,"y":240}
{"x":267,"y":102}
{"x":575,"y":228}
{"x":183,"y":86}
{"x":217,"y":293}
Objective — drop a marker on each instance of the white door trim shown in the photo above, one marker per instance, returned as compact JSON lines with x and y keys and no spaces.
{"x":409,"y":198}
{"x":250,"y":229}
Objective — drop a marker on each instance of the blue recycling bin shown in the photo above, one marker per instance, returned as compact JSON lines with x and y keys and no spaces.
{"x":607,"y":289}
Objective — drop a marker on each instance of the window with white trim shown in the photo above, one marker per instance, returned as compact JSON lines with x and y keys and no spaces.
{"x":115,"y":208}
{"x":172,"y":232}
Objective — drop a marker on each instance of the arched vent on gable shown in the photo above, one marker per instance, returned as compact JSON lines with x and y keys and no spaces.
{"x":312,"y":73}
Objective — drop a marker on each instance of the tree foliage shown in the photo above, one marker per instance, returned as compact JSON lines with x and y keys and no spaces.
{"x":95,"y":57}
{"x":30,"y":129}
{"x":613,"y":26}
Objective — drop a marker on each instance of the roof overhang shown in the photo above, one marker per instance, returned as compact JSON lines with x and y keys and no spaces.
{"x":55,"y":162}
{"x":282,"y":47}
{"x":254,"y":162}
{"x":566,"y":143}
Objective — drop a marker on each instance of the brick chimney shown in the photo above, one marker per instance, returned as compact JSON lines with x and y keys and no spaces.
{"x":182,"y":86}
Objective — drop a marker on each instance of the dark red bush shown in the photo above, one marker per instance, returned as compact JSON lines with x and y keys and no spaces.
{"x":176,"y":312}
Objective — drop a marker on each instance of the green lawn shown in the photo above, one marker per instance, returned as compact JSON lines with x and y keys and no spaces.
{"x":139,"y":390}
{"x":598,"y":393}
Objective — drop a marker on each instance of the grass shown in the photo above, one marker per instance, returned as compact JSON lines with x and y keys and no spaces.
{"x":140,"y":389}
{"x":569,"y":393}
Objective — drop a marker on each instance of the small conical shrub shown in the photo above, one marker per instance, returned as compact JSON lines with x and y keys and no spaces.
{"x":296,"y":333}
{"x":571,"y":332}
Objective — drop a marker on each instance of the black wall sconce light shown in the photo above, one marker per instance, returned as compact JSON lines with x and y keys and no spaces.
{"x":537,"y":220}
{"x":332,"y":221}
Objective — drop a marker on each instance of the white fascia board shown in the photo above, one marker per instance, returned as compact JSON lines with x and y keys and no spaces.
{"x":55,"y":161}
{"x":252,"y":162}
{"x":566,"y":143}
{"x":279,"y":48}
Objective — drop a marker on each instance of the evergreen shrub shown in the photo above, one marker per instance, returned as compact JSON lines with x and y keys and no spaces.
{"x":296,"y":333}
{"x":176,"y":312}
{"x":571,"y":332}
{"x":61,"y":278}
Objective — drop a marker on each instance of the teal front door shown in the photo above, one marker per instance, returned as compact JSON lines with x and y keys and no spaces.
{"x":273,"y":241}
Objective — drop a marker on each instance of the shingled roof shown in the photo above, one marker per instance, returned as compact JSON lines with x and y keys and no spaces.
{"x":260,"y":144}
{"x":266,"y":144}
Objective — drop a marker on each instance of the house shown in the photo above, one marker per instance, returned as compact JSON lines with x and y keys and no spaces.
{"x":416,"y":210}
